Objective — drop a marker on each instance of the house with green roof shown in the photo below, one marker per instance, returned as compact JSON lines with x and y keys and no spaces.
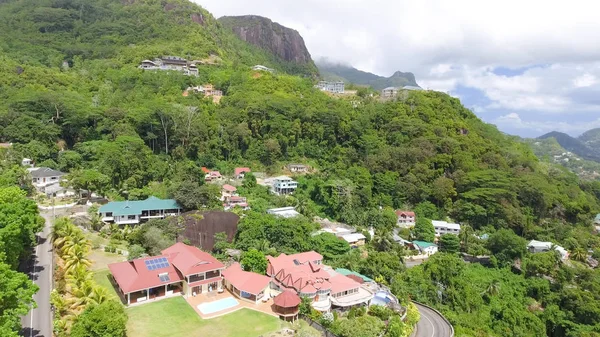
{"x":425,"y":247}
{"x":347,"y":272}
{"x":133,"y":212}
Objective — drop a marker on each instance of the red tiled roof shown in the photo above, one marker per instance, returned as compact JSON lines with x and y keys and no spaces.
{"x":287,"y":299}
{"x":249,"y":282}
{"x":299,"y":271}
{"x":229,"y":188}
{"x":134,"y":275}
{"x":341,"y":283}
{"x":406,"y":213}
{"x":204,"y":169}
{"x":190,"y":260}
{"x":240,"y":170}
{"x":214,"y":173}
{"x":237,"y":198}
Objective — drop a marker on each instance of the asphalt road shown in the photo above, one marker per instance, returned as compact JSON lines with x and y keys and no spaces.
{"x":431,"y":324}
{"x":38,"y":322}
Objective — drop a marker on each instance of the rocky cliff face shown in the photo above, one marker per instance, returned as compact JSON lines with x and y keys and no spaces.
{"x":285,"y":43}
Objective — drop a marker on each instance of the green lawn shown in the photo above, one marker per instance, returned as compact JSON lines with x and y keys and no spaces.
{"x":175,"y":317}
{"x":101,"y":278}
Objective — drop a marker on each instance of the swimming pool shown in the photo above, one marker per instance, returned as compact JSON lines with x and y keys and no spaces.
{"x":220,"y":305}
{"x":381,"y":298}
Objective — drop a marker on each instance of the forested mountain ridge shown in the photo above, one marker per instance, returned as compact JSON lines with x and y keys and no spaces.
{"x":285,"y":43}
{"x":135,"y":135}
{"x":584,"y":149}
{"x":339,"y":72}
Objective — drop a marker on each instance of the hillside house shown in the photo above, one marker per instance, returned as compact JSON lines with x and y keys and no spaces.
{"x":247,"y":286}
{"x":305,"y":275}
{"x":333,"y":87}
{"x":425,"y":248}
{"x":406,"y":219}
{"x":240,"y":172}
{"x":443,"y":227}
{"x":213,"y":176}
{"x":133,"y":212}
{"x":27,"y":162}
{"x":285,"y":212}
{"x":297,"y":168}
{"x":259,"y":67}
{"x":236,"y":201}
{"x":284,"y":185}
{"x":535,"y":246}
{"x":42,"y":177}
{"x":355,"y":239}
{"x":180,"y":269}
{"x":173,"y":63}
{"x":228,"y":191}
{"x":390,"y":92}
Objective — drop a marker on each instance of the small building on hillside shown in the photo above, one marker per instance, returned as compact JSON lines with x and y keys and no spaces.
{"x":236,"y":201}
{"x":259,"y":67}
{"x":173,"y":63}
{"x":406,"y":219}
{"x":42,"y":177}
{"x":27,"y":162}
{"x":443,"y":227}
{"x":390,"y":92}
{"x":298,"y":168}
{"x":535,"y":246}
{"x":228,"y":191}
{"x":180,"y":269}
{"x":285,"y":212}
{"x":284,"y":185}
{"x":355,"y":239}
{"x":133,"y":212}
{"x":425,"y":248}
{"x":333,"y":87}
{"x":240,"y":172}
{"x":213,"y":176}
{"x":247,"y":286}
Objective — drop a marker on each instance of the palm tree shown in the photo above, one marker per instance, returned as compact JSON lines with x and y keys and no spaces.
{"x":76,"y":257}
{"x":99,"y":295}
{"x":78,"y":275}
{"x":82,"y":295}
{"x":466,"y":232}
{"x":493,"y":288}
{"x":579,"y":254}
{"x":61,"y":228}
{"x":75,"y":239}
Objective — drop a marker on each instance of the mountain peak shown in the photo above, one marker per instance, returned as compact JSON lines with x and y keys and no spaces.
{"x":341,"y":72}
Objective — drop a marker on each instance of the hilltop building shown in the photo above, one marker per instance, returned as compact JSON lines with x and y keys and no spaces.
{"x":173,"y":63}
{"x":535,"y":246}
{"x":406,"y":219}
{"x":259,"y":67}
{"x":443,"y":227}
{"x":333,"y":87}
{"x":284,"y":185}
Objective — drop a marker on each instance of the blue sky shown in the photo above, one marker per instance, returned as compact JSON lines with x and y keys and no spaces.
{"x":529,"y":71}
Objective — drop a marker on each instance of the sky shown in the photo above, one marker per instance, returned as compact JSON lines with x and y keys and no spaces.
{"x":528,"y":66}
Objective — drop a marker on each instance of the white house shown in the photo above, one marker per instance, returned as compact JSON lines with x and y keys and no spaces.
{"x":285,"y":212}
{"x":44,"y":176}
{"x":535,"y":246}
{"x":228,"y":191}
{"x":389,"y":92}
{"x":284,"y":185}
{"x":354,"y":239}
{"x":426,"y":248}
{"x":259,"y":67}
{"x":443,"y":227}
{"x":133,"y":212}
{"x":27,"y":162}
{"x":297,"y":168}
{"x":335,"y":87}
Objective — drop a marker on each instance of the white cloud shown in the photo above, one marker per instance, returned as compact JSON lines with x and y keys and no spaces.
{"x":452,"y":44}
{"x":513,"y":121}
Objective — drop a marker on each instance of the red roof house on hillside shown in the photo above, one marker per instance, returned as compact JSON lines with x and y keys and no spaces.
{"x":305,"y":275}
{"x":180,"y":269}
{"x":248,"y":286}
{"x":405,"y":218}
{"x":240,"y":172}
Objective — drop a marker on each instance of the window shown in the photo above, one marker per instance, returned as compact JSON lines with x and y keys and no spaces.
{"x":131,"y":217}
{"x":109,"y":214}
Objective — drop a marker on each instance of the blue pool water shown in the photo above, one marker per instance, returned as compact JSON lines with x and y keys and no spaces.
{"x":380,"y":298}
{"x":212,"y":307}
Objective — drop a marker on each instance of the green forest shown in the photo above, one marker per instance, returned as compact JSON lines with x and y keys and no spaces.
{"x":73,"y":99}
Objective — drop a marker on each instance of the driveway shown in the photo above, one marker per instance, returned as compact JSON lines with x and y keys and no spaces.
{"x":38,"y":322}
{"x":431,"y":324}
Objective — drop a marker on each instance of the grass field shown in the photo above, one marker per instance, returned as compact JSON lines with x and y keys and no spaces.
{"x":101,"y":278}
{"x":101,"y":260}
{"x":174,"y":317}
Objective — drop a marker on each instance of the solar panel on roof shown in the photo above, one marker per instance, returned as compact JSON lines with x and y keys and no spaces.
{"x":164,"y":278}
{"x":157,"y":263}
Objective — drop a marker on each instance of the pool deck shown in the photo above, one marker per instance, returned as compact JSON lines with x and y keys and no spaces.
{"x":211,"y":297}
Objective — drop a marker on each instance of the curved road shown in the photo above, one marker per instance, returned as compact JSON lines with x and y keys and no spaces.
{"x":431,"y":324}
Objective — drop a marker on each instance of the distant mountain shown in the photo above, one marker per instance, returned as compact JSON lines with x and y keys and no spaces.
{"x":578,"y":146}
{"x":591,"y":138}
{"x":339,"y":72}
{"x":285,"y":43}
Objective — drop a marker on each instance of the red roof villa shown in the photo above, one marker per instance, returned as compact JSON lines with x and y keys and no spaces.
{"x":305,"y":275}
{"x":240,"y":172}
{"x":180,"y":269}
